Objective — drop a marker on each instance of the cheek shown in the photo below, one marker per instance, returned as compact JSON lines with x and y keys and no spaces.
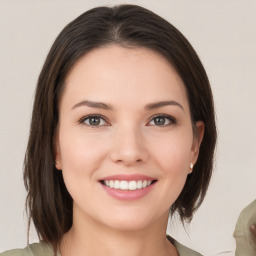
{"x":173,"y":154}
{"x":80,"y":157}
{"x":80,"y":152}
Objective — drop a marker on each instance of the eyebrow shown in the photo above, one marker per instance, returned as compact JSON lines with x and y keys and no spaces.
{"x":101,"y":105}
{"x":93,"y":104}
{"x":163,"y":104}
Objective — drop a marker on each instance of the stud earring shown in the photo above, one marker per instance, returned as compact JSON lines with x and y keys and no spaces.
{"x":57,"y":162}
{"x":191,"y":167}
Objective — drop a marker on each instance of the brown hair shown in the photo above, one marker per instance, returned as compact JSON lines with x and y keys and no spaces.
{"x":48,"y":201}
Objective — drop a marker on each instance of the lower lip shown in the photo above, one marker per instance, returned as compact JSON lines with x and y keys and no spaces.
{"x":128,"y":194}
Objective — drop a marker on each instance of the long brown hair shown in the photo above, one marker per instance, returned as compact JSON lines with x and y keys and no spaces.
{"x":48,"y":202}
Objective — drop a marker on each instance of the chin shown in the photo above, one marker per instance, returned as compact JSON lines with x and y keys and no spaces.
{"x":129,"y":225}
{"x":131,"y":221}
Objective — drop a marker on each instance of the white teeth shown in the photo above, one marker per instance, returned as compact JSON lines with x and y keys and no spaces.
{"x":111,"y":183}
{"x":127,"y":185}
{"x":139,"y":184}
{"x":116,"y":184}
{"x":124,"y":185}
{"x":132,"y":185}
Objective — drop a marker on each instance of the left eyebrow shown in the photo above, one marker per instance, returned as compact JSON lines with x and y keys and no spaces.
{"x":163,"y":104}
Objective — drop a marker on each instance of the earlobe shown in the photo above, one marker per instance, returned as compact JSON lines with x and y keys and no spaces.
{"x":58,"y":165}
{"x":57,"y":162}
{"x":191,"y":166}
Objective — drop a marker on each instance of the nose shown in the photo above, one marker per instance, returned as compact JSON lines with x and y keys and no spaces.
{"x":129,"y":147}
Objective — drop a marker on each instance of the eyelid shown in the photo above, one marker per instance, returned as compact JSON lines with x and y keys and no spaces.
{"x":171,"y":118}
{"x":81,"y":121}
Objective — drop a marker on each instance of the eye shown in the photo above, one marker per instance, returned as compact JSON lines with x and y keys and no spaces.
{"x":162,"y":120}
{"x":94,"y":120}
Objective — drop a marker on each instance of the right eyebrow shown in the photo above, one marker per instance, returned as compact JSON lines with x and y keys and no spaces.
{"x":93,"y":104}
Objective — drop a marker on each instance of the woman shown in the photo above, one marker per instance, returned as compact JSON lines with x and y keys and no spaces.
{"x":122,"y":107}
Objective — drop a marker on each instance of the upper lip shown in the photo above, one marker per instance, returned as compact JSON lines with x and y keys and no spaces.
{"x":128,"y":177}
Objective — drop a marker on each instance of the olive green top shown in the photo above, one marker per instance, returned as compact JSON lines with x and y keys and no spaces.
{"x":43,"y":249}
{"x":245,"y":240}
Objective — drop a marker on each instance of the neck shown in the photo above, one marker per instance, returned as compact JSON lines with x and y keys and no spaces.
{"x":88,"y":237}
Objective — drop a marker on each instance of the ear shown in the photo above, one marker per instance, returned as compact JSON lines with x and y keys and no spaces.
{"x":57,"y":153}
{"x":198,"y":137}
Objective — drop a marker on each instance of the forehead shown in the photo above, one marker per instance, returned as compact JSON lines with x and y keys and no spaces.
{"x":113,"y":72}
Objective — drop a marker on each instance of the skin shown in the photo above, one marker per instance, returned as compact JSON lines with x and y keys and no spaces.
{"x":127,"y":140}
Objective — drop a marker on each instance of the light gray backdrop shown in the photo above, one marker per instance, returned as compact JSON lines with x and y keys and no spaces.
{"x":224,"y":35}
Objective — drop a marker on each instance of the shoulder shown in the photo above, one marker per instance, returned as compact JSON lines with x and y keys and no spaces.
{"x":246,"y":218}
{"x":36,"y":249}
{"x":183,"y":250}
{"x":245,"y":241}
{"x":249,"y":210}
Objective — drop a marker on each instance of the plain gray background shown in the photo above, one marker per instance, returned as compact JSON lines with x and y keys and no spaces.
{"x":223,"y":34}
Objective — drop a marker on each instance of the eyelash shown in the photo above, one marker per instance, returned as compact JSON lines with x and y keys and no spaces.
{"x":82,"y":121}
{"x":171,"y":120}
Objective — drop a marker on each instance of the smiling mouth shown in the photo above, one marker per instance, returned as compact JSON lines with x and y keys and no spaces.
{"x":127,"y":185}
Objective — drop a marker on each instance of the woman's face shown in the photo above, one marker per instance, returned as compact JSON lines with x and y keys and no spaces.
{"x":125,"y":139}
